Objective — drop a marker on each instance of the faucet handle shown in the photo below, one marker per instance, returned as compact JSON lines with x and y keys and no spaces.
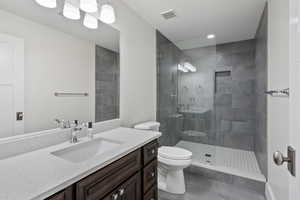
{"x":62,"y":123}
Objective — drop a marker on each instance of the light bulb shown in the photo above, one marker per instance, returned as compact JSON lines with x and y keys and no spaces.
{"x":210,"y":36}
{"x":89,"y":6}
{"x":90,"y":21}
{"x":107,"y":14}
{"x":190,"y":67}
{"x":182,"y":68}
{"x":71,"y":12}
{"x":47,"y":3}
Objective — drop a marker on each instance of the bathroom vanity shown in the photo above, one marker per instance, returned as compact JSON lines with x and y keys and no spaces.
{"x":118,"y":164}
{"x":133,"y":177}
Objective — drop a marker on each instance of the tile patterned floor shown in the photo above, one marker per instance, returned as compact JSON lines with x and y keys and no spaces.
{"x":201,"y":188}
{"x":233,"y":161}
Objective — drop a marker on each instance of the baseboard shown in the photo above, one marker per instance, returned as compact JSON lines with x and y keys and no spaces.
{"x":269,"y":192}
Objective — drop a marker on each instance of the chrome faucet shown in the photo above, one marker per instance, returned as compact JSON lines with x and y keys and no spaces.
{"x":74,"y":132}
{"x":75,"y":129}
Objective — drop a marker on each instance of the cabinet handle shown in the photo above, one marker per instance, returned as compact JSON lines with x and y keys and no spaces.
{"x":152,"y":174}
{"x":121,"y":192}
{"x":153,"y":151}
{"x":114,"y":196}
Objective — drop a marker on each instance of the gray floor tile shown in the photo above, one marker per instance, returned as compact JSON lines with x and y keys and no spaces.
{"x":201,"y":188}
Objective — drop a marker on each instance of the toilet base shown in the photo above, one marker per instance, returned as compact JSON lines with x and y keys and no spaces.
{"x":171,"y":181}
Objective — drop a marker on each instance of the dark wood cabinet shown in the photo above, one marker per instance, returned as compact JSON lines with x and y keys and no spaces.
{"x":133,"y":177}
{"x":66,"y":194}
{"x":149,"y":175}
{"x":151,"y":194}
{"x":150,"y":152}
{"x":129,"y":190}
{"x":97,"y":185}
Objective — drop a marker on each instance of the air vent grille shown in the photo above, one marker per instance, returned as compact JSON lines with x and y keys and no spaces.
{"x":168,"y":14}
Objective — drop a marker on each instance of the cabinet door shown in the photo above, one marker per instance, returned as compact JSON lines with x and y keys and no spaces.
{"x":150,"y":152}
{"x":66,"y":194}
{"x":149,"y":175}
{"x":129,"y":190}
{"x":102,"y":182}
{"x":151,"y":194}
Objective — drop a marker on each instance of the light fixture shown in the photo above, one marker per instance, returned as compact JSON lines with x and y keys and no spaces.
{"x":107,"y":14}
{"x":89,"y":6}
{"x":90,"y":21}
{"x":70,"y":11}
{"x":190,"y":67}
{"x":47,"y":3}
{"x":182,"y":68}
{"x":210,"y":36}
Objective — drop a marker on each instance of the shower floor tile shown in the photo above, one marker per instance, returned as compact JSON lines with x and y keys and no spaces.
{"x":201,"y":188}
{"x":232,"y":161}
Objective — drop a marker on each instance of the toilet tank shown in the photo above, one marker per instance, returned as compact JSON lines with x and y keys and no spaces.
{"x":151,"y":126}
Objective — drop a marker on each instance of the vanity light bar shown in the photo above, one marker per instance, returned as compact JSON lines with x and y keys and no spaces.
{"x":71,"y":10}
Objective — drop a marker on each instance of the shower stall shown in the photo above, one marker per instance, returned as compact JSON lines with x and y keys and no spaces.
{"x":211,"y":101}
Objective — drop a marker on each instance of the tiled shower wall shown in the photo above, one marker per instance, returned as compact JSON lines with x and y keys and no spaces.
{"x":222,"y":95}
{"x":107,"y":84}
{"x":235,"y":95}
{"x":215,"y":105}
{"x":168,"y":56}
{"x":196,"y":96}
{"x":260,"y":138}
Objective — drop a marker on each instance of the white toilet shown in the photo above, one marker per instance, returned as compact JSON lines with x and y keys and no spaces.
{"x":171,"y":162}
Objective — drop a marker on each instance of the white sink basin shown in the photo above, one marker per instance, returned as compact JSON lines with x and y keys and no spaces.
{"x":85,"y":151}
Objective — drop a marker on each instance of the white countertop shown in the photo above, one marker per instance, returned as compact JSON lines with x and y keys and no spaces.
{"x":39,"y":174}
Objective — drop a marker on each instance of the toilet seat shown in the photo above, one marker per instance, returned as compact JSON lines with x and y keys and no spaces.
{"x":174,"y":153}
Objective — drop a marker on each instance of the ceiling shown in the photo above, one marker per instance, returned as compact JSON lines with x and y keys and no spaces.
{"x":105,"y":35}
{"x":229,"y":20}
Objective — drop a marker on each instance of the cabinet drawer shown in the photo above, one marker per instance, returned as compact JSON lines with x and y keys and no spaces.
{"x":151,"y":194}
{"x":99,"y":184}
{"x":149,"y":175}
{"x":129,"y":190}
{"x":66,"y":194}
{"x":150,"y":152}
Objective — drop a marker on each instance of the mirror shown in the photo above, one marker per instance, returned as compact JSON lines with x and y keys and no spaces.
{"x":52,"y":67}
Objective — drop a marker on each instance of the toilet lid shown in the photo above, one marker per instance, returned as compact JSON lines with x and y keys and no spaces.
{"x":174,"y":153}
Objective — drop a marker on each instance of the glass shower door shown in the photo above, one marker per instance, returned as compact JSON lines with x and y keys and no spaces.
{"x":167,"y":103}
{"x":196,"y":102}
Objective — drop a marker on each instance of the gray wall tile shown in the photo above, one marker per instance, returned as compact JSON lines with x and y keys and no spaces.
{"x":218,"y":103}
{"x":168,"y":57}
{"x":107,"y":84}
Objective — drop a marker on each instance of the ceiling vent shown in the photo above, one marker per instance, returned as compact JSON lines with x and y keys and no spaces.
{"x":168,"y":14}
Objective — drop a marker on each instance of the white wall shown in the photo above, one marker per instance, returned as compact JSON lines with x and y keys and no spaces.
{"x":54,"y":61}
{"x":278,"y":107}
{"x":52,"y":57}
{"x":138,"y":67}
